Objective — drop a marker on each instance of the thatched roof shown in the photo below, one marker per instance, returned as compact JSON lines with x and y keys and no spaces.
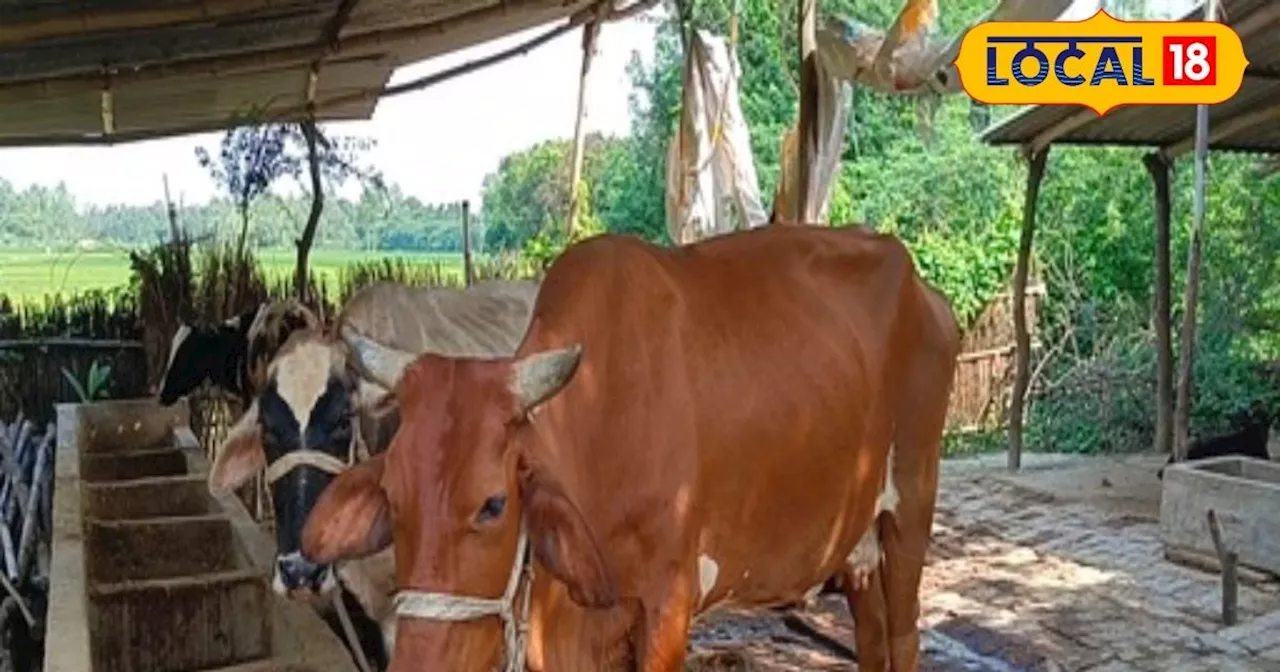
{"x":115,"y":70}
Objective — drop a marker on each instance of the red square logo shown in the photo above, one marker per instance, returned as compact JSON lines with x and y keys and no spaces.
{"x":1190,"y":60}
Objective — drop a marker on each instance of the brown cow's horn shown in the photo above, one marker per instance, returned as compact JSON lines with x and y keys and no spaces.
{"x":540,"y":375}
{"x":381,"y":364}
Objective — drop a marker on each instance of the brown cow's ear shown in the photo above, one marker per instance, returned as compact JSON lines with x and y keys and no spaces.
{"x":561,"y":542}
{"x":352,"y":518}
{"x":240,"y":456}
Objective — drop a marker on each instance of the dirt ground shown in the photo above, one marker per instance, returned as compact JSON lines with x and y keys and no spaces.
{"x":1057,"y":568}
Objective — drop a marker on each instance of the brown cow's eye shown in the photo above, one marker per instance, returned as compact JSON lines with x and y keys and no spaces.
{"x":492,"y":508}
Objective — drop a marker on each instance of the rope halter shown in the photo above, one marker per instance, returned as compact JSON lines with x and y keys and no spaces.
{"x":332,"y":465}
{"x":411,"y":603}
{"x":312,"y":458}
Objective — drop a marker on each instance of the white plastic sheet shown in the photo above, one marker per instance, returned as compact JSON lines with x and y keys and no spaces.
{"x":833,"y":112}
{"x":712,"y":187}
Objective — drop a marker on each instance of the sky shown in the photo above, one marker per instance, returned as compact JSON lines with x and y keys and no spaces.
{"x":437,"y":144}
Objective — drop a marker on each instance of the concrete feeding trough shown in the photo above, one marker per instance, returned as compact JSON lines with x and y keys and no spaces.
{"x":1244,"y":494}
{"x":150,"y":572}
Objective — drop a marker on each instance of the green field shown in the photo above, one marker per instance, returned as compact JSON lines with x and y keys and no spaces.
{"x":27,"y":274}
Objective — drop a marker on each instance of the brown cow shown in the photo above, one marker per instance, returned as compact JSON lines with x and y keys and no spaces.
{"x":680,"y":429}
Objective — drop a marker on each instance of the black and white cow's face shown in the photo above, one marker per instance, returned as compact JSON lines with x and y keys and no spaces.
{"x":308,"y":411}
{"x":305,"y":407}
{"x":199,"y":354}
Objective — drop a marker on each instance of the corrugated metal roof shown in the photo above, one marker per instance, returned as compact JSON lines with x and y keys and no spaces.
{"x":1165,"y":125}
{"x":177,"y":66}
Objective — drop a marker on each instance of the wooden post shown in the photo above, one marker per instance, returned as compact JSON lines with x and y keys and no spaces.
{"x":1229,"y":561}
{"x":589,"y":34}
{"x":806,"y":126}
{"x":170,"y":211}
{"x":1191,"y":297}
{"x":468,"y":273}
{"x":1162,"y":321}
{"x":1022,"y":356}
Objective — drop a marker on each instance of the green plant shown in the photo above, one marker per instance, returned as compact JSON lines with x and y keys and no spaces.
{"x":96,"y":382}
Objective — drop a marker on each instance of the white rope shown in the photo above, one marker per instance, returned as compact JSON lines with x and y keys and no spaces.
{"x":357,"y":651}
{"x":444,"y":607}
{"x":311,"y":458}
{"x":327,"y":463}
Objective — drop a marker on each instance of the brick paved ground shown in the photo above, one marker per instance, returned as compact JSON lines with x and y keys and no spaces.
{"x":1058,"y":568}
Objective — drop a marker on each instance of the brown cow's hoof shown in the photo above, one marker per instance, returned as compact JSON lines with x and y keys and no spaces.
{"x":723,"y":660}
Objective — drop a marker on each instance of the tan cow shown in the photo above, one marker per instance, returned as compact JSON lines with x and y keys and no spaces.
{"x":726,"y":423}
{"x":304,"y":424}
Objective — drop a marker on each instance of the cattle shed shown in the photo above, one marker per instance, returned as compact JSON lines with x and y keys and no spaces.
{"x":110,"y":71}
{"x":1247,"y":122}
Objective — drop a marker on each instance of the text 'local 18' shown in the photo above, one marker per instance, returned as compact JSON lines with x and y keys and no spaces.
{"x":1101,"y":62}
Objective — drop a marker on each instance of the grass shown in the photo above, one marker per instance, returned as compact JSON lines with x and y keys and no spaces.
{"x":27,"y":274}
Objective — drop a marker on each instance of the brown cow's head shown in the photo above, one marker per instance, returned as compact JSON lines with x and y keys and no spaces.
{"x":453,"y":489}
{"x":302,"y":429}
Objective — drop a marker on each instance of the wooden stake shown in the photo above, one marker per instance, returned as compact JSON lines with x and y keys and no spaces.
{"x":806,"y":127}
{"x":468,"y":273}
{"x":590,"y":32}
{"x":1228,"y":560}
{"x":1022,"y":357}
{"x":1162,"y":321}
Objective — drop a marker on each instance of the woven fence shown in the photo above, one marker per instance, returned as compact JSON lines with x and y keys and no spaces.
{"x":985,"y":368}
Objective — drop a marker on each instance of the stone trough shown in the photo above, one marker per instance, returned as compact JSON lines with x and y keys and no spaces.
{"x":150,"y":572}
{"x":1243,"y":493}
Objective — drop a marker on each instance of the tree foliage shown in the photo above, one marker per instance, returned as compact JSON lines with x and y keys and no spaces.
{"x":253,"y":157}
{"x":49,"y":217}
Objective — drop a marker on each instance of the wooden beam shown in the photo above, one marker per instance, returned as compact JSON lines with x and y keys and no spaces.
{"x":1227,"y":128}
{"x":1158,"y":166}
{"x":806,"y":126}
{"x":1022,"y":335}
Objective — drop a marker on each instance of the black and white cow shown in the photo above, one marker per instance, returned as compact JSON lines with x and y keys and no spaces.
{"x":232,"y":356}
{"x":318,"y":412}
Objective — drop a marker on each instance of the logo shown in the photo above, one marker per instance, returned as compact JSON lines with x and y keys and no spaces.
{"x":1101,"y":63}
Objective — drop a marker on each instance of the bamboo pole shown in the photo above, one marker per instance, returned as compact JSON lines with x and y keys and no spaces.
{"x":590,"y":33}
{"x":1022,"y":336}
{"x":170,"y":211}
{"x":806,"y":126}
{"x":1186,"y":384}
{"x":1161,"y":321}
{"x":468,"y":272}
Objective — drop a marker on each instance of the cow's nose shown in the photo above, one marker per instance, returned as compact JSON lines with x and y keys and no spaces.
{"x":298,"y":573}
